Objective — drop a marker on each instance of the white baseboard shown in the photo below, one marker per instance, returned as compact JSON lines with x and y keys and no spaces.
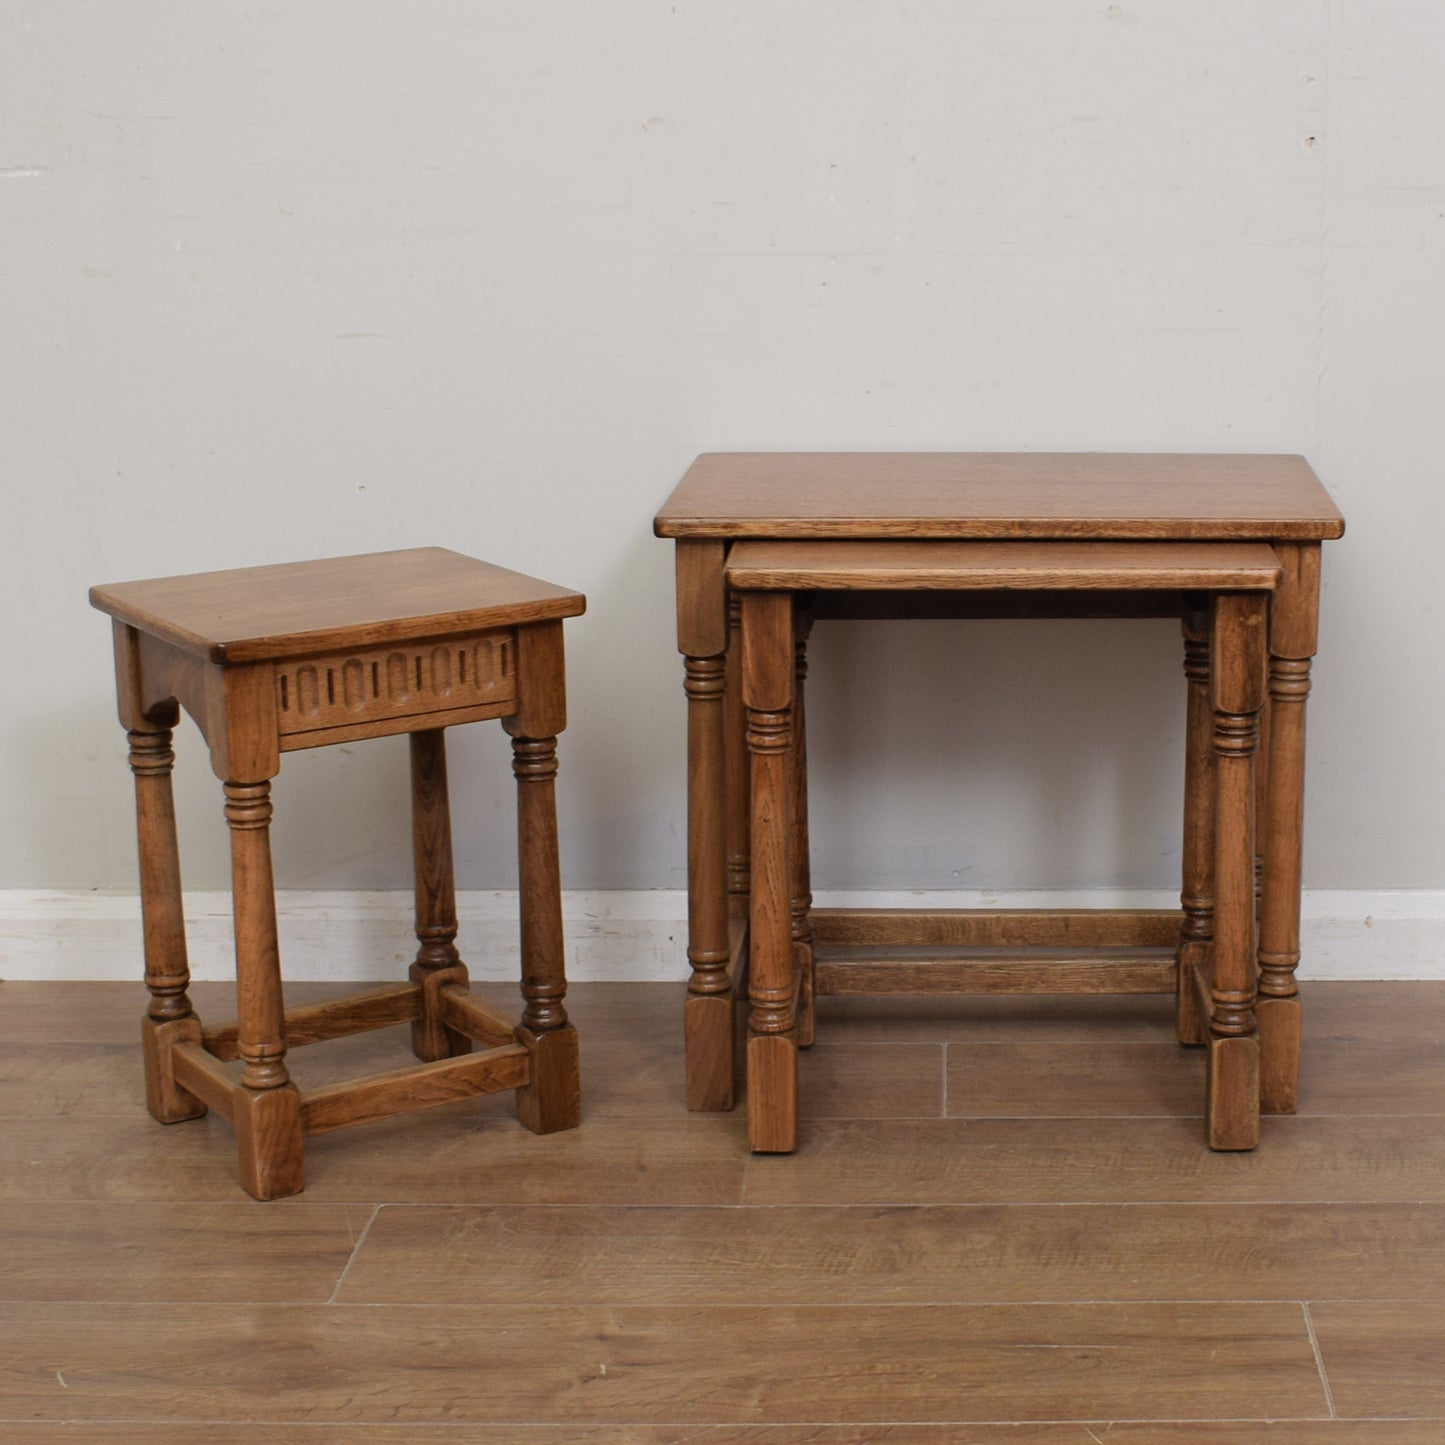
{"x":622,"y":935}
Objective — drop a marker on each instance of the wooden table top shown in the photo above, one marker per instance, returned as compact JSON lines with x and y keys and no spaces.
{"x":1099,"y":495}
{"x":249,"y":614}
{"x":914,"y":564}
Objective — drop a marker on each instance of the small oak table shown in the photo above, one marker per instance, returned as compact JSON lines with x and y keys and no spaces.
{"x":767,"y":542}
{"x":268,"y":660}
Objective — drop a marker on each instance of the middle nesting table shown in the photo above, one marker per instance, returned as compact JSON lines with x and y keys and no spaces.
{"x":793,"y":952}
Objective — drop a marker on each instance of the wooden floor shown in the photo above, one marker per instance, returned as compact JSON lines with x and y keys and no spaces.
{"x":1001,"y":1225}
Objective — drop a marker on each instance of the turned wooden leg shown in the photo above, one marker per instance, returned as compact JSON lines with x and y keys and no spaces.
{"x":1197,"y":892}
{"x":169,"y":1019}
{"x":1292,"y":645}
{"x":737,"y":775}
{"x":1261,"y":800}
{"x":551,"y":1099}
{"x":708,"y":1026}
{"x":802,"y":900}
{"x":1232,"y":1093}
{"x":735,"y":750}
{"x":267,"y":1105}
{"x":772,"y":1055}
{"x":437,"y":962}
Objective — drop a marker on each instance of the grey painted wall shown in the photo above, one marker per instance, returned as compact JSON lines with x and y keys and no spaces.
{"x":291,"y":280}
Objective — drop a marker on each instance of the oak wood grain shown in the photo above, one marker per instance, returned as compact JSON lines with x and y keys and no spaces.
{"x":863,"y":970}
{"x":1000,"y":927}
{"x":923,"y":566}
{"x":467,"y":1013}
{"x":374,"y":1008}
{"x":419,"y":1086}
{"x":308,"y":654}
{"x":999,"y":494}
{"x":946,"y":1018}
{"x":249,"y":614}
{"x":207,"y":1077}
{"x":772,"y":1044}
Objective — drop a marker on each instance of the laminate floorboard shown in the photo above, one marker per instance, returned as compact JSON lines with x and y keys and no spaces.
{"x":1063,"y":1079}
{"x":1091,"y":1160}
{"x":910,"y":1254}
{"x":1001,"y":1227}
{"x":448,"y":1154}
{"x":726,"y":1364}
{"x":1384,"y":1358}
{"x":1099,"y":1432}
{"x":115,"y":1251}
{"x":1072,"y":1078}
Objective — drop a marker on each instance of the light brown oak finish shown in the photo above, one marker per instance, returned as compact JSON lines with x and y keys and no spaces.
{"x":915,"y":566}
{"x":773,"y":982}
{"x":1117,"y":496}
{"x":373,"y":1008}
{"x":1196,"y":897}
{"x":703,"y":639}
{"x":271,"y":659}
{"x":875,"y":970}
{"x":1293,"y":630}
{"x":999,"y":927}
{"x":769,"y":575}
{"x":1038,"y":535}
{"x":305,"y":609}
{"x":1237,"y":662}
{"x":799,"y":860}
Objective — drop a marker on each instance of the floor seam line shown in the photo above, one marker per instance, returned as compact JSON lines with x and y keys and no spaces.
{"x":355,"y":1250}
{"x":1319,"y":1360}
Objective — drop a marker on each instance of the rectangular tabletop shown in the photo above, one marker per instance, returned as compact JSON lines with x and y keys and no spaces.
{"x":785,"y":565}
{"x":1095,"y":495}
{"x":249,"y":614}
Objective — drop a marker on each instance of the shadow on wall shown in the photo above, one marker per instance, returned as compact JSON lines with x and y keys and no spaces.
{"x":998,"y":754}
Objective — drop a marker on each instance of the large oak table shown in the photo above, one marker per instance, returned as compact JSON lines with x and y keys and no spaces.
{"x":768,"y":542}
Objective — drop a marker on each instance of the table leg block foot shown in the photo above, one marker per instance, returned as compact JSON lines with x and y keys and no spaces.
{"x":551,"y":1100}
{"x":268,"y":1141}
{"x":807,"y":994}
{"x":773,"y":1093}
{"x":709,"y":1034}
{"x":1279,"y":1054}
{"x":430,"y":1039}
{"x":1189,"y":1027}
{"x":1231,"y":1096}
{"x":167,"y":1101}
